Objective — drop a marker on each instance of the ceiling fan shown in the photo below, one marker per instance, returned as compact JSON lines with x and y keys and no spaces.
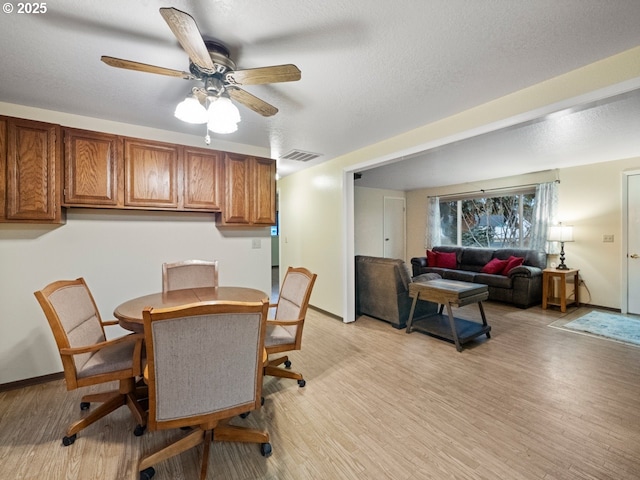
{"x":210,"y":63}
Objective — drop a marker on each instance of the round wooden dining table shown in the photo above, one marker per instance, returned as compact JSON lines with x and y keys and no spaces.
{"x":129,"y":313}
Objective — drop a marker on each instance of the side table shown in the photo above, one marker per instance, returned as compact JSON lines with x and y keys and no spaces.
{"x":548,"y":276}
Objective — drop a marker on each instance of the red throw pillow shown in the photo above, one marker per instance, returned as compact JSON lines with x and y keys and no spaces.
{"x":512,"y":262}
{"x":441,"y":259}
{"x":495,"y":266}
{"x":432,"y":258}
{"x":447,"y":260}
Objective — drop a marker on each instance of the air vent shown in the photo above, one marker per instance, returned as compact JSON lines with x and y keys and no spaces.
{"x":299,"y":156}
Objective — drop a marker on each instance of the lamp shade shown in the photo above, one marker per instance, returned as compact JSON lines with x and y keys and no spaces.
{"x":190,"y":110}
{"x":223,"y":116}
{"x":561,"y":233}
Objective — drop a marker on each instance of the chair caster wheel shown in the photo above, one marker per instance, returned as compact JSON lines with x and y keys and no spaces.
{"x":265,"y":449}
{"x":244,"y":415}
{"x":66,"y":441}
{"x":301,"y":383}
{"x":287,"y":364}
{"x":147,"y":473}
{"x":139,"y":430}
{"x":84,"y":405}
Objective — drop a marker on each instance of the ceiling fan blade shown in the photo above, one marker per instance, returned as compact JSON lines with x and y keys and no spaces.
{"x":143,"y":67}
{"x":257,"y":76}
{"x":252,"y":102}
{"x":186,"y":31}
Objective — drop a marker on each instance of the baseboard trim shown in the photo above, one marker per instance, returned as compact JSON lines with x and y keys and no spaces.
{"x":324,"y":312}
{"x":28,"y":382}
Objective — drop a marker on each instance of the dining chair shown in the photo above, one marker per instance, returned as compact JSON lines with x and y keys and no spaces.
{"x":204,"y":367}
{"x":88,"y":358}
{"x":189,"y":274}
{"x":284,"y":331}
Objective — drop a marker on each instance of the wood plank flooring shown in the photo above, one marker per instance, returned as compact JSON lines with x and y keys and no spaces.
{"x":533,"y":402}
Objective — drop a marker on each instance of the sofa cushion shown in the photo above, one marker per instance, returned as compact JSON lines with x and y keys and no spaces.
{"x":499,"y":281}
{"x":460,"y":275}
{"x":495,"y":266}
{"x":474,"y":259}
{"x":512,"y":262}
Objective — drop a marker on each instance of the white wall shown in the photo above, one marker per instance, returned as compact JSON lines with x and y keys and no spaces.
{"x":119,"y":253}
{"x":368,"y":207}
{"x":315,"y":206}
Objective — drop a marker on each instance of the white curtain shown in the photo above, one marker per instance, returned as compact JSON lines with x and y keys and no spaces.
{"x":544,"y":215}
{"x":433,"y":233}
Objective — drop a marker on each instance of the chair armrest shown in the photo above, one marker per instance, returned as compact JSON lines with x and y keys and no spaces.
{"x":286,"y":323}
{"x":110,"y":322}
{"x":133,"y":337}
{"x":525,"y":271}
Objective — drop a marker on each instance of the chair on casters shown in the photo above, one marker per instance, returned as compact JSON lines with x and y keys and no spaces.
{"x":189,"y":274}
{"x":284,"y":331}
{"x":204,"y":366}
{"x":87,"y":357}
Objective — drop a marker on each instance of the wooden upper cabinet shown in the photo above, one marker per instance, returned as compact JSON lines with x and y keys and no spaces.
{"x":264,"y":191}
{"x":250,"y":191}
{"x":151,"y":173}
{"x":237,"y":188}
{"x":202,"y":179}
{"x":92,"y":162}
{"x":32,"y":172}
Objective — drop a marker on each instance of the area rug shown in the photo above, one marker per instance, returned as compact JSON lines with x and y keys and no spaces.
{"x":614,"y":326}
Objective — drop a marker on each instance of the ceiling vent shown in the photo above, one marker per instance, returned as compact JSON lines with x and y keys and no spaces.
{"x":299,"y":156}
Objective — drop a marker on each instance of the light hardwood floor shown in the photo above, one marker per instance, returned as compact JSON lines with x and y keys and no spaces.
{"x":533,"y":402}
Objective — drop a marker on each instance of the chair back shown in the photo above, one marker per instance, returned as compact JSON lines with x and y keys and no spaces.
{"x":189,"y":274}
{"x":204,"y":361}
{"x":74,"y":320}
{"x":294,"y":300}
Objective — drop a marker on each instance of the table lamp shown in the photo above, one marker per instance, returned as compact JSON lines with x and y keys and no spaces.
{"x":561,"y":233}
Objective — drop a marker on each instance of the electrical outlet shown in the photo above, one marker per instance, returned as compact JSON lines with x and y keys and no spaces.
{"x":607,"y":238}
{"x":256,"y":243}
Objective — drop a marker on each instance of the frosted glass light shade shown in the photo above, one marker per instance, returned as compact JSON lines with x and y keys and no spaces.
{"x":190,"y":110}
{"x":223,"y":116}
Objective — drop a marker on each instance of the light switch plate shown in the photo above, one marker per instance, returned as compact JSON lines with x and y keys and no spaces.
{"x":256,"y":243}
{"x":607,"y":238}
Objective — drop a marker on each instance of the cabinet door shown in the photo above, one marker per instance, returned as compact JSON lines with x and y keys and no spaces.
{"x":264,"y":191}
{"x":151,"y":174}
{"x":33,"y":171}
{"x":201,"y":189}
{"x":3,"y":166}
{"x":91,"y":168}
{"x":237,"y":190}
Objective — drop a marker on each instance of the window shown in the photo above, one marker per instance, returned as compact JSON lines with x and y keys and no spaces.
{"x":503,"y":221}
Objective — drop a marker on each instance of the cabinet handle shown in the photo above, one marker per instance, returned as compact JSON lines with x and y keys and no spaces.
{"x":634,"y":255}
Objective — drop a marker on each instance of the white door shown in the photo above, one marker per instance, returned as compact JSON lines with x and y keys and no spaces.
{"x":394,"y":227}
{"x":633,"y":244}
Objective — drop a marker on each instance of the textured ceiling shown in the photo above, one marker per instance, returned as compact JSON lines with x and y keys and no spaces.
{"x":371,"y":69}
{"x":595,"y":132}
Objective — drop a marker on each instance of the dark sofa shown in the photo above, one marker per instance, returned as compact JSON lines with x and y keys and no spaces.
{"x":382,"y":290}
{"x":522,"y":286}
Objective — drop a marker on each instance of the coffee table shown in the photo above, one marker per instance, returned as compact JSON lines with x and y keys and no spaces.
{"x":449,"y":293}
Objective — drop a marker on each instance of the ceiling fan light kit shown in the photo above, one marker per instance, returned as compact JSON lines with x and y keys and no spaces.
{"x":210,"y":63}
{"x":223,"y":116}
{"x":190,"y":110}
